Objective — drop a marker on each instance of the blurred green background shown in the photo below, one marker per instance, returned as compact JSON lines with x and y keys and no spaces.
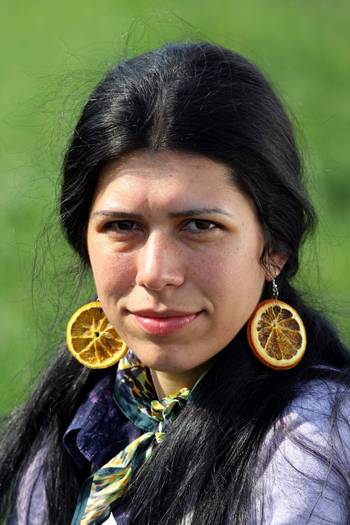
{"x":52,"y":54}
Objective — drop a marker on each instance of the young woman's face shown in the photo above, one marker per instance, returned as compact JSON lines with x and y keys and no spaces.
{"x":175,"y":253}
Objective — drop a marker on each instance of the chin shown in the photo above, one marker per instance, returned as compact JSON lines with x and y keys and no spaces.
{"x":162,"y":363}
{"x":164,"y":360}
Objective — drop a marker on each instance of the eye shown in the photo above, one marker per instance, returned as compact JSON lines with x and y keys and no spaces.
{"x":200,"y":225}
{"x":122,"y":226}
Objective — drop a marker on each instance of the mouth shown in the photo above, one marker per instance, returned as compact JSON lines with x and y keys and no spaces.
{"x":164,"y":322}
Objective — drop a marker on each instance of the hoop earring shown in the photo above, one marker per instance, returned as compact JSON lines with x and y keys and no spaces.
{"x":91,"y":338}
{"x":276,"y":333}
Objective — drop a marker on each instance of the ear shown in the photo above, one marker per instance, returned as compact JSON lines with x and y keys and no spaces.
{"x":275,"y":264}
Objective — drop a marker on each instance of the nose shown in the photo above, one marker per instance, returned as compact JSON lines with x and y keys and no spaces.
{"x":159,"y":263}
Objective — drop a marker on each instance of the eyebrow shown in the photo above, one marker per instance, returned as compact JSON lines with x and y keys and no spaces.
{"x":173,"y":215}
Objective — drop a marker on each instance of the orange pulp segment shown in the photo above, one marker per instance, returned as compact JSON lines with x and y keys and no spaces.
{"x":277,"y":335}
{"x":92,"y":339}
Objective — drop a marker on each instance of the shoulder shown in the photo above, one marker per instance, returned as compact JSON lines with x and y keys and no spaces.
{"x":320,"y":411}
{"x":29,"y":499}
{"x":305,"y":459}
{"x":317,"y":421}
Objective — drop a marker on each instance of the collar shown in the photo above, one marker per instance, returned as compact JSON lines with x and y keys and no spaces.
{"x":99,"y":429}
{"x":136,"y":396}
{"x":120,"y":407}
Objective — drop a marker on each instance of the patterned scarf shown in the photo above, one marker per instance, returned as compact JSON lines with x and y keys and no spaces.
{"x":135,"y":395}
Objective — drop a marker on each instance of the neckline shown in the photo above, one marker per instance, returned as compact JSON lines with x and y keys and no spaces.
{"x":134,"y":392}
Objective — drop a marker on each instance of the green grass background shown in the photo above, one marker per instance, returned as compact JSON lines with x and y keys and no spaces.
{"x":52,"y":53}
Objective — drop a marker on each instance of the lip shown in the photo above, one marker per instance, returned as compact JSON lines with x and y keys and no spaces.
{"x":164,"y":322}
{"x":162,"y":313}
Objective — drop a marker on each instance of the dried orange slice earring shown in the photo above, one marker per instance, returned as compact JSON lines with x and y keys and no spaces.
{"x":276,"y":333}
{"x":91,"y":338}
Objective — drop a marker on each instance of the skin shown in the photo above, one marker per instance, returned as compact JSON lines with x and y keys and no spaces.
{"x":200,"y":262}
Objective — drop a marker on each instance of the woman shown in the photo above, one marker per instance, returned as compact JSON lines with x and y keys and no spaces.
{"x":182,"y":191}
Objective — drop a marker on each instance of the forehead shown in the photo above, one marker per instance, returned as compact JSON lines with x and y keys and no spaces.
{"x":167,"y":172}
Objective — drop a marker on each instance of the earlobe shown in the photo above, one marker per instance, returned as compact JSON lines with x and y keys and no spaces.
{"x":275,"y":265}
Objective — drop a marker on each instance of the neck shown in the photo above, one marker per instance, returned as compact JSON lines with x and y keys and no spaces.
{"x":166,"y":383}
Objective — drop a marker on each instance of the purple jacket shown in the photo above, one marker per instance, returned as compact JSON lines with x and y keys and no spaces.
{"x":294,"y":487}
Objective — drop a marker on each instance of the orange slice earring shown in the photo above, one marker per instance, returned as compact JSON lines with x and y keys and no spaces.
{"x":276,"y":333}
{"x":91,"y":338}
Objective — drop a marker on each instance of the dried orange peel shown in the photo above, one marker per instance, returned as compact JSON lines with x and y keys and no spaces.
{"x":277,"y":335}
{"x":92,"y":339}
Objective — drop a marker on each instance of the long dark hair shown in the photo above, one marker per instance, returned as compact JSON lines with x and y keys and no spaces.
{"x":204,"y":99}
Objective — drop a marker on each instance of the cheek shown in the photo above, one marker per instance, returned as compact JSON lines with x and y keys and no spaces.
{"x":226,"y":272}
{"x":113,"y":275}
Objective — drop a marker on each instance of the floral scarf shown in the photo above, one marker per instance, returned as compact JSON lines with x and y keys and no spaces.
{"x":136,"y":397}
